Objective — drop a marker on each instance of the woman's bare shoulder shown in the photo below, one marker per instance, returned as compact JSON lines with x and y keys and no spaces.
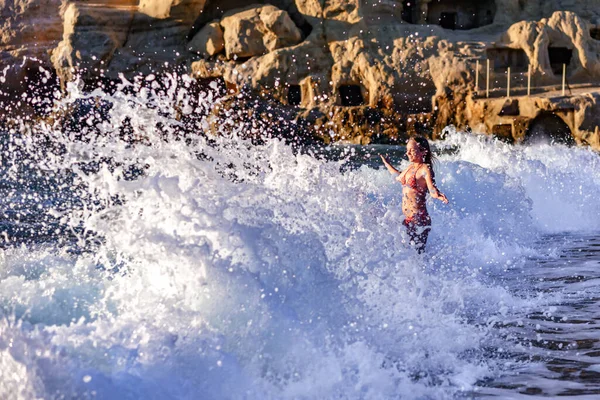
{"x":425,"y":169}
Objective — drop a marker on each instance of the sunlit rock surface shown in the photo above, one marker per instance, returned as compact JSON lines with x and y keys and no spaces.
{"x":91,"y":36}
{"x":209,"y":41}
{"x":258,"y":30}
{"x":416,"y":60}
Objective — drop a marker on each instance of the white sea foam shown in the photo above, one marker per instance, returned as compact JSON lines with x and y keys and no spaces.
{"x":253,"y":271}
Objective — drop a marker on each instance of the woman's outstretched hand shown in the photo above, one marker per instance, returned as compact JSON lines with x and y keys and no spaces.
{"x":389,"y":166}
{"x":443,"y":198}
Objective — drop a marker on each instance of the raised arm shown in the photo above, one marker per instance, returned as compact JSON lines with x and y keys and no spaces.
{"x":389,"y":166}
{"x":433,"y":190}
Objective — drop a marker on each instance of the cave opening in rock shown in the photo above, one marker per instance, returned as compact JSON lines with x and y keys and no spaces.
{"x":503,"y":132}
{"x":408,"y":11}
{"x":559,"y":56}
{"x":548,"y":127}
{"x":448,"y":20}
{"x":502,"y":58}
{"x":294,"y":96}
{"x":351,"y":95}
{"x":214,"y":10}
{"x":595,"y":33}
{"x":461,"y":14}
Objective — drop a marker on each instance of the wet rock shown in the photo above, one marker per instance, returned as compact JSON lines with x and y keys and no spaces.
{"x":29,"y":30}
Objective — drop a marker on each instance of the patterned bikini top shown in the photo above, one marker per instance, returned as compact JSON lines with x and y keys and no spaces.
{"x":412,"y":181}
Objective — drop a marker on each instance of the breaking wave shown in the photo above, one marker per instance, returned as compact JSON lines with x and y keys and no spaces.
{"x":165,"y":267}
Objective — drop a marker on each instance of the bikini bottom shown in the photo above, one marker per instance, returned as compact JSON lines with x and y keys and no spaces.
{"x":418,"y":227}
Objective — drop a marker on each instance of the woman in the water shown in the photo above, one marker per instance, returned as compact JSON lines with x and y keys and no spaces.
{"x":417,"y":179}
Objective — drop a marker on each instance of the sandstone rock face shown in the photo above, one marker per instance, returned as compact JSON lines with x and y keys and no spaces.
{"x":426,"y":70}
{"x":90,"y":38}
{"x":209,"y":41}
{"x":414,"y":59}
{"x":186,"y":11}
{"x":29,"y":31}
{"x":109,"y":37}
{"x":21,"y":26}
{"x":258,"y":30}
{"x":563,"y":30}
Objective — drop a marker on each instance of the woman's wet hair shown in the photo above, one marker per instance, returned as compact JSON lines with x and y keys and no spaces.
{"x":428,"y":157}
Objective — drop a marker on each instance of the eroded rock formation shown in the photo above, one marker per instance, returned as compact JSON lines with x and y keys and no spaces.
{"x":258,"y":30}
{"x":402,"y":65}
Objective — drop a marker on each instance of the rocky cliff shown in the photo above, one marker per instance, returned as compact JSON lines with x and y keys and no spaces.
{"x":355,"y":70}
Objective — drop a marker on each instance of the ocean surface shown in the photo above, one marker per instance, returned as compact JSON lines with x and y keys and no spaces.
{"x":163,"y":268}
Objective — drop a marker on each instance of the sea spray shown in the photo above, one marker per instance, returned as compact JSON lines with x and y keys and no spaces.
{"x":560,"y":182}
{"x":221,"y":268}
